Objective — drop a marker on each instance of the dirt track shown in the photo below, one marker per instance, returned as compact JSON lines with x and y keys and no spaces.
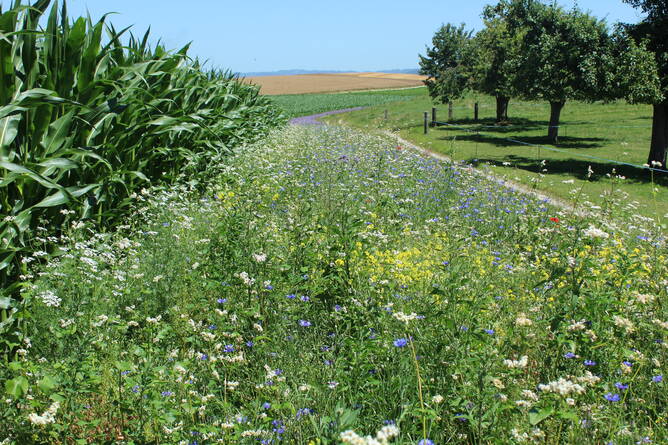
{"x":320,"y":83}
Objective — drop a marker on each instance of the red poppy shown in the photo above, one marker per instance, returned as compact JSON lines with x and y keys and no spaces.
{"x":554,"y":220}
{"x":398,"y":147}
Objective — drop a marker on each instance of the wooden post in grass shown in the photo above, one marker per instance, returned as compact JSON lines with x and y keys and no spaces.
{"x":426,"y":121}
{"x":433,"y":116}
{"x":385,"y":113}
{"x":449,"y":111}
{"x":475,"y":112}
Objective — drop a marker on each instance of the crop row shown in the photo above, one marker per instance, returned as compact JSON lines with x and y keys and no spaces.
{"x":87,"y":120}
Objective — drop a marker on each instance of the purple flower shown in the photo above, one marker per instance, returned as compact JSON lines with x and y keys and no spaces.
{"x":291,"y":296}
{"x":627,"y":363}
{"x":305,"y":298}
{"x":304,"y":323}
{"x":400,"y":342}
{"x":589,"y":363}
{"x":620,"y":386}
{"x":569,"y":355}
{"x":266,"y":406}
{"x":610,"y":397}
{"x":337,"y":308}
{"x":222,"y":300}
{"x":426,"y":442}
{"x":489,"y":331}
{"x":229,"y":348}
{"x":657,"y":378}
{"x":167,"y":393}
{"x":249,"y":344}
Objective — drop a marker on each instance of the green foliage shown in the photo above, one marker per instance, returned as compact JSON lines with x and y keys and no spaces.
{"x":85,"y":122}
{"x":562,"y":56}
{"x":497,"y":48}
{"x":296,"y":105}
{"x":448,"y":62}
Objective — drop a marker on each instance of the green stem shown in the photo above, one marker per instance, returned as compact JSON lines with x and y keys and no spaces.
{"x":419,"y":385}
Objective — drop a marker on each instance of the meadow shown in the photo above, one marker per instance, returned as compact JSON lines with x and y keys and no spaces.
{"x":333,"y":287}
{"x":296,"y":105}
{"x":591,"y":135}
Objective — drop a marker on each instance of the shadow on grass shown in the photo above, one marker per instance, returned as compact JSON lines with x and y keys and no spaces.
{"x":578,"y":168}
{"x":567,"y":142}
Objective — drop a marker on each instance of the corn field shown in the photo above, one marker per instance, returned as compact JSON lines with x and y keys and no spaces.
{"x":90,"y":114}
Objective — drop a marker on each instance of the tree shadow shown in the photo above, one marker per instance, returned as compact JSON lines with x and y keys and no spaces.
{"x":569,"y":142}
{"x":490,"y":125}
{"x":578,"y":168}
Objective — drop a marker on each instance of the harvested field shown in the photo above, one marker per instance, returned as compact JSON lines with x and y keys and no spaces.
{"x":319,"y":83}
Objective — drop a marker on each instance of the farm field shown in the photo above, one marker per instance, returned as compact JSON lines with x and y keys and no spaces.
{"x":330,"y":285}
{"x":615,"y":132}
{"x":318,"y":83}
{"x":296,"y":105}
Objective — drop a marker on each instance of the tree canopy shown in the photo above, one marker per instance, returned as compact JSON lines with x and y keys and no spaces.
{"x":448,"y":63}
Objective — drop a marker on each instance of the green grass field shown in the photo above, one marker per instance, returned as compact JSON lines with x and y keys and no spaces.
{"x":616,"y":132}
{"x":297,"y":105}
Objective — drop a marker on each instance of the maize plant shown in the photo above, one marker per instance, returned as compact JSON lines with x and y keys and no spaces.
{"x":89,"y":114}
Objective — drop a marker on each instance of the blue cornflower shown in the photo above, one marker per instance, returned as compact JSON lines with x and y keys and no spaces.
{"x":400,"y":342}
{"x":222,"y":300}
{"x":337,"y":307}
{"x":305,"y":298}
{"x":212,"y":327}
{"x":229,"y":348}
{"x":627,"y":363}
{"x":291,"y":296}
{"x":657,"y":378}
{"x":250,"y":344}
{"x":610,"y":397}
{"x":620,"y":386}
{"x":489,"y":331}
{"x":266,"y":405}
{"x":569,"y":355}
{"x":426,"y":442}
{"x":589,"y":363}
{"x":166,"y":393}
{"x":304,"y":323}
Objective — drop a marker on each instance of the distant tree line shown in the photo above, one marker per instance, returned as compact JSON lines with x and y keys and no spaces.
{"x":535,"y":51}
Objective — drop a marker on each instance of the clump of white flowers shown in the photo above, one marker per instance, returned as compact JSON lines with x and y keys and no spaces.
{"x":521,"y":363}
{"x":593,"y":232}
{"x":48,"y":416}
{"x":386,"y":433}
{"x":50,"y":299}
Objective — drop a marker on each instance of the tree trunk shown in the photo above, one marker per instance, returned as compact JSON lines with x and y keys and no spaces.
{"x":659,"y":144}
{"x":555,"y":113}
{"x":502,"y":108}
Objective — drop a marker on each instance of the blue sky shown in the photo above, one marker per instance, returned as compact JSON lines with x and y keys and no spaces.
{"x":269,"y":35}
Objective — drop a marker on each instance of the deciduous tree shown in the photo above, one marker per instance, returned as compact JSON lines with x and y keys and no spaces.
{"x":654,"y":30}
{"x":447,"y":63}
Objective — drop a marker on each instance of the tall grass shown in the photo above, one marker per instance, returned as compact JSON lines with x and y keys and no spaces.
{"x":87,"y":120}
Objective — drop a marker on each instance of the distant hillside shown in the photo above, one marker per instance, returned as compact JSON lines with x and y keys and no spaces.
{"x":296,"y":72}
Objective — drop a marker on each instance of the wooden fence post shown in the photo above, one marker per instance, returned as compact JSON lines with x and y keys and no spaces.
{"x":386,"y":114}
{"x":449,"y":111}
{"x":475,"y":112}
{"x":433,"y":116}
{"x":426,"y":121}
